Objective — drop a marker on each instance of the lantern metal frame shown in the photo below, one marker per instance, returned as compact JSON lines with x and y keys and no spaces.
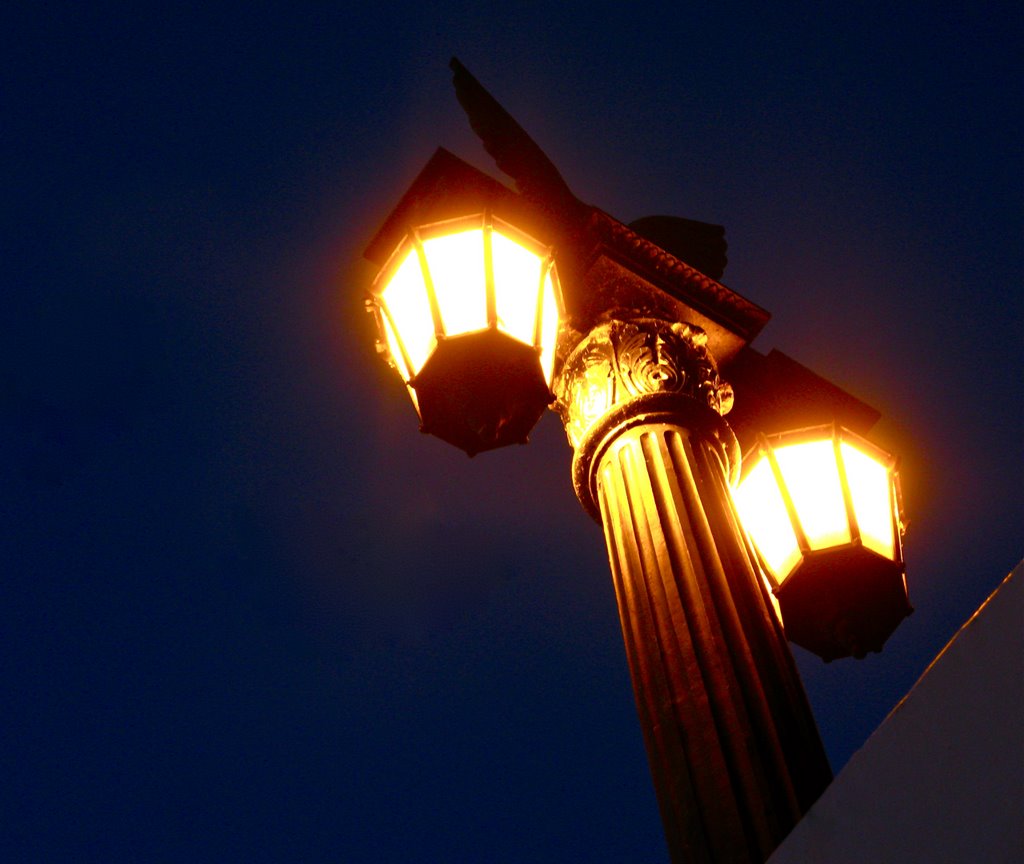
{"x":734,"y":751}
{"x":766,"y":447}
{"x":415,"y":238}
{"x":843,"y":599}
{"x":451,"y":379}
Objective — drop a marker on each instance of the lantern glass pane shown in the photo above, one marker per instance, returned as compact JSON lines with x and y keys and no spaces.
{"x":548,"y":327}
{"x":764,"y":515}
{"x":394,"y":346}
{"x":405,"y":298}
{"x":516,"y":282}
{"x":811,"y":476}
{"x":869,"y":490}
{"x":456,"y":263}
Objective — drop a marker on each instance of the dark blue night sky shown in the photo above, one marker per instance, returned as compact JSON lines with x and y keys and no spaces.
{"x":249,"y":613}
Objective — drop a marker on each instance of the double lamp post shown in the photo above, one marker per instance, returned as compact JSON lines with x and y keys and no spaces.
{"x":493,"y":304}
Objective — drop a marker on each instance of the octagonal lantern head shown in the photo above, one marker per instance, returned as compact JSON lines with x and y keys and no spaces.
{"x":468,"y":312}
{"x":821,"y":506}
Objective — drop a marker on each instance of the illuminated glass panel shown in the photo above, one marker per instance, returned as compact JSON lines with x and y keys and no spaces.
{"x":549,"y":327}
{"x":811,"y":476}
{"x":516,"y":282}
{"x":869,"y":485}
{"x":764,"y":515}
{"x":456,"y":266}
{"x":405,"y":298}
{"x":456,"y":263}
{"x":395,"y":347}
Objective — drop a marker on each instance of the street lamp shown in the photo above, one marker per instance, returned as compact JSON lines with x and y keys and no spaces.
{"x":468,"y":307}
{"x":640,"y":336}
{"x":822,"y":508}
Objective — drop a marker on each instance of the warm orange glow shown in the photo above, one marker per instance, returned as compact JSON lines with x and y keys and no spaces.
{"x":801,"y":508}
{"x":407,"y":312}
{"x":763,"y":513}
{"x":811,"y":475}
{"x":870,"y":488}
{"x":516,"y":283}
{"x":451,"y":273}
{"x":456,"y":265}
{"x":548,"y":324}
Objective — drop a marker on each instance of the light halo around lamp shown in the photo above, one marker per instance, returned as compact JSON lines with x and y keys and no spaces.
{"x":822,"y":509}
{"x":468,"y":312}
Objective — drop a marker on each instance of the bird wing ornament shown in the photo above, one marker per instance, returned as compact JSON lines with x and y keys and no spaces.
{"x":699,"y":244}
{"x":513,"y":150}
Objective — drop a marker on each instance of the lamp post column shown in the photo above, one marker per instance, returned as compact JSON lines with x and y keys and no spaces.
{"x":733,"y":748}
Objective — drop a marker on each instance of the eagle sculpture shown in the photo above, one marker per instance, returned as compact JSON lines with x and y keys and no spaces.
{"x":699,"y":244}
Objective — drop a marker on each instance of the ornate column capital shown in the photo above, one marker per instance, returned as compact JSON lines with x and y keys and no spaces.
{"x":631,"y":369}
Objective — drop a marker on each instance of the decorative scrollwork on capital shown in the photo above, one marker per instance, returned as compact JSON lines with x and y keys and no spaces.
{"x":628,"y":357}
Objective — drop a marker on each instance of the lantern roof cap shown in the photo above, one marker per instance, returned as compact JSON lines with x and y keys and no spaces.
{"x":448,"y":188}
{"x":774,"y":393}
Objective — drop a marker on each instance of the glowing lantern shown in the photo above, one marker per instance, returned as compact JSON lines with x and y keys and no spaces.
{"x":468,"y":313}
{"x":821,"y":506}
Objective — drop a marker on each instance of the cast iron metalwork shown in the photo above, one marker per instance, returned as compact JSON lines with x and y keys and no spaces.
{"x":457,"y":398}
{"x":480,"y":390}
{"x":630,"y":368}
{"x":846,"y":600}
{"x":733,"y":748}
{"x":734,"y":752}
{"x":602,"y":262}
{"x":629,"y":356}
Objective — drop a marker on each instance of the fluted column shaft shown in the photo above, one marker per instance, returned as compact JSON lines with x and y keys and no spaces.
{"x":734,"y":752}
